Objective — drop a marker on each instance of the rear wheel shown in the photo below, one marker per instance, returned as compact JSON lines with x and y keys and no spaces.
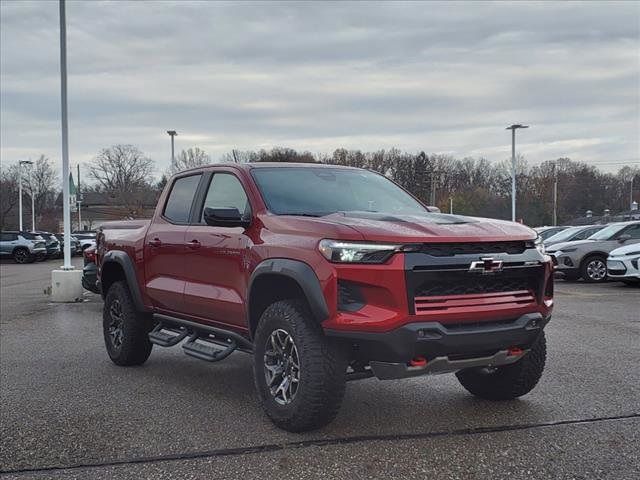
{"x":22,"y":255}
{"x":594,"y":269}
{"x":126,"y":332}
{"x":300,"y":374}
{"x":509,"y":381}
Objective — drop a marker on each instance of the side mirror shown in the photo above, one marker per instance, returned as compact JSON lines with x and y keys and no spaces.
{"x":224,"y":217}
{"x":624,"y":237}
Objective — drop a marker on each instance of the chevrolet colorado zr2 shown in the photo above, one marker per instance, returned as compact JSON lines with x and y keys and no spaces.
{"x":325,"y":274}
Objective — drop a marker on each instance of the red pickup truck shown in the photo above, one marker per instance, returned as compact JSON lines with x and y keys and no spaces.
{"x":325,"y":274}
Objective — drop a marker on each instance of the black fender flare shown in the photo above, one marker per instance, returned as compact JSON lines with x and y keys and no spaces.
{"x":302,"y":274}
{"x":124,"y":261}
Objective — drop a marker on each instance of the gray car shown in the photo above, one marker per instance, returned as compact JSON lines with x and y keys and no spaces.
{"x":588,"y":258}
{"x":573,"y":233}
{"x":23,"y":247}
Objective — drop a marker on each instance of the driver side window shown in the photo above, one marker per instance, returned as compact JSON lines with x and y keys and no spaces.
{"x":225,"y":191}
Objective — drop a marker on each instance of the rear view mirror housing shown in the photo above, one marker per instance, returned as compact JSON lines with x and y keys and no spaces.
{"x":224,"y":217}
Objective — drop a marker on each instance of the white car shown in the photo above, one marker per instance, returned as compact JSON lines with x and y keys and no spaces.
{"x":622,"y":264}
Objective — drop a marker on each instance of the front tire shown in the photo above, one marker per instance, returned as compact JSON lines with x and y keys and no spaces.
{"x":594,"y":269}
{"x":300,"y":374}
{"x":22,"y":255}
{"x":509,"y":381}
{"x":126,"y":332}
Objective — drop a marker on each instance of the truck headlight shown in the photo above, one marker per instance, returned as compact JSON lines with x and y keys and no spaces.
{"x":356,"y":252}
{"x":539,"y":245}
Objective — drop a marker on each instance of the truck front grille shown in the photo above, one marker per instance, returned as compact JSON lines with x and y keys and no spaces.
{"x":446,"y":287}
{"x":482,"y":248}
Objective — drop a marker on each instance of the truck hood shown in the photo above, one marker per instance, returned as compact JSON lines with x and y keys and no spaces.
{"x":430,"y":227}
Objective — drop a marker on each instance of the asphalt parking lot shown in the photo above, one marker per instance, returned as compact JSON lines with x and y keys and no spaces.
{"x":68,"y":412}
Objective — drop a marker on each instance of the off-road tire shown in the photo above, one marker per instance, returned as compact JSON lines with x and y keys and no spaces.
{"x":322,"y":373}
{"x":584,"y":267}
{"x":509,"y":381}
{"x":134,"y":346}
{"x":22,"y":255}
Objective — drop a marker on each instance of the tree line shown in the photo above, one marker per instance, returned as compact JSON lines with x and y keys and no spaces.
{"x":473,"y":186}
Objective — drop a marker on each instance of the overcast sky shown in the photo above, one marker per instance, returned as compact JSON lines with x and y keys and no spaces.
{"x":444,"y":78}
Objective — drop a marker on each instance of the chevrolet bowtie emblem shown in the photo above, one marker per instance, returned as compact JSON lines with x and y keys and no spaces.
{"x":486,"y":265}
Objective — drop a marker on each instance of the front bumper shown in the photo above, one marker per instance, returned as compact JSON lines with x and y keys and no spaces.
{"x":392,"y":371}
{"x":445,"y":346}
{"x":624,"y":267}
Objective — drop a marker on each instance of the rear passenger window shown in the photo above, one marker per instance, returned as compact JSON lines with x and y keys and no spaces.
{"x":178,"y":204}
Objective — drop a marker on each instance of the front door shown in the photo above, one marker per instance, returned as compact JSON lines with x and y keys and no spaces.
{"x":164,"y":246}
{"x":215,"y":256}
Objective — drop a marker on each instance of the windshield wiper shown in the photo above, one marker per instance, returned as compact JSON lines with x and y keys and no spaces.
{"x":303,"y":214}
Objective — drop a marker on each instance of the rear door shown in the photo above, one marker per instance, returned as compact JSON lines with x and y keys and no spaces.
{"x":216,"y":257}
{"x":164,"y":247}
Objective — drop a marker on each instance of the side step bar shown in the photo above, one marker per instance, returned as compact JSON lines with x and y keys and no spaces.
{"x":167,"y":337}
{"x":209,"y":348}
{"x":204,"y":332}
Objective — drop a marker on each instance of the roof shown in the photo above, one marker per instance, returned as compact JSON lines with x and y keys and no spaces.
{"x":254,"y":165}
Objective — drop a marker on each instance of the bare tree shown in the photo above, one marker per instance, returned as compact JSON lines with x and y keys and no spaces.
{"x":124,"y":173}
{"x":190,"y":158}
{"x":239,"y":156}
{"x":8,"y":193}
{"x":41,"y":182}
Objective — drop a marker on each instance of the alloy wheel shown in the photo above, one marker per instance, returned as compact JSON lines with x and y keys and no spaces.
{"x":281,"y":366}
{"x":116,"y":331}
{"x":596,"y":270}
{"x":21,"y":256}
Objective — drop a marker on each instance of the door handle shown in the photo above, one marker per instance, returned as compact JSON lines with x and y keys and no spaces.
{"x":193,"y":244}
{"x":155,"y":242}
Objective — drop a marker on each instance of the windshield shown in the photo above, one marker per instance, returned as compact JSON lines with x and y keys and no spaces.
{"x":607,"y":232}
{"x":564,"y":234}
{"x":322,"y":191}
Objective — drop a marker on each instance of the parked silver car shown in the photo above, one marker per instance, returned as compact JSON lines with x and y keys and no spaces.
{"x":546,"y":232}
{"x":588,"y":258}
{"x":23,"y":247}
{"x":573,"y":233}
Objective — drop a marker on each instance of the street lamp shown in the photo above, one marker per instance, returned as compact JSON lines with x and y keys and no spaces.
{"x":172,"y":133}
{"x":513,"y":129}
{"x":20,"y":164}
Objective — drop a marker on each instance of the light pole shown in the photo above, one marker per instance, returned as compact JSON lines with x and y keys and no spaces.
{"x":66,"y":211}
{"x":20,"y":164}
{"x":172,"y":133}
{"x":513,"y":129}
{"x":66,"y":283}
{"x":555,"y":194}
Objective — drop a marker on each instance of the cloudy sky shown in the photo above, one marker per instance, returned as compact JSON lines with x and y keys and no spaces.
{"x":444,"y":78}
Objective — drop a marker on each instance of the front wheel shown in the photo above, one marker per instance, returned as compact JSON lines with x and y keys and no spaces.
{"x":126,"y":332}
{"x":509,"y":381}
{"x":300,"y":374}
{"x":22,"y":255}
{"x":594,"y":269}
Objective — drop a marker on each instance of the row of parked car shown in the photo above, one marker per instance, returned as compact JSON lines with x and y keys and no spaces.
{"x":28,"y":247}
{"x":595,"y":253}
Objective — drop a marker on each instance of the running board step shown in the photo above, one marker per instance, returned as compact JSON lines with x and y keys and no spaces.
{"x":166,"y":336}
{"x":209,"y":348}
